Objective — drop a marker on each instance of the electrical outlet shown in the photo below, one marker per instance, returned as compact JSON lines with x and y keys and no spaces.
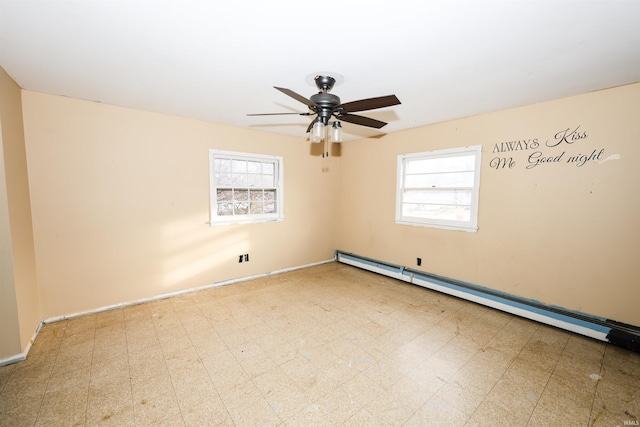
{"x":419,"y":261}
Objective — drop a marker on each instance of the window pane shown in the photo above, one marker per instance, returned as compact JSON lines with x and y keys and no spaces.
{"x":269,"y":194}
{"x":256,"y":195}
{"x":268,"y":168}
{"x":225,"y":209}
{"x":224,"y":195}
{"x":256,"y":207}
{"x":448,"y":180}
{"x":240,"y":208}
{"x":268,"y":181}
{"x":223,"y":179}
{"x":222,"y":165}
{"x":437,"y":212}
{"x":239,"y":166}
{"x":442,"y":164}
{"x":241,"y":199}
{"x":240,"y":195}
{"x":438,"y":197}
{"x":254,"y":180}
{"x":238,"y":180}
{"x":270,"y":207}
{"x":254,"y":167}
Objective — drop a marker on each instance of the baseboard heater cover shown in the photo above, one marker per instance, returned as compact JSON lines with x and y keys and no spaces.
{"x":616,"y":333}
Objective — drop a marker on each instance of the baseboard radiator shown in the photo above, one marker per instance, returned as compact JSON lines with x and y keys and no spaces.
{"x":616,"y":333}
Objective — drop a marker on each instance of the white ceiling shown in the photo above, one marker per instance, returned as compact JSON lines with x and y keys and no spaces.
{"x":216,"y":61}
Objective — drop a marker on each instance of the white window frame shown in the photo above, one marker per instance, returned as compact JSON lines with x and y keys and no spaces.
{"x":216,"y":219}
{"x":472,"y":224}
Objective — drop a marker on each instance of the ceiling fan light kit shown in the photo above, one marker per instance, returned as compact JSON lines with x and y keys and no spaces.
{"x":317,"y":131}
{"x":335,"y":133}
{"x":325,"y":105}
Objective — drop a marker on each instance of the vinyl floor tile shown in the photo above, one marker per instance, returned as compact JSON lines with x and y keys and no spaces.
{"x":329,"y":345}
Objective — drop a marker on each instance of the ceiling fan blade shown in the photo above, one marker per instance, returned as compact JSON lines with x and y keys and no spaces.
{"x":370,"y":104}
{"x":279,"y":114}
{"x":297,"y":97}
{"x":361,"y":120}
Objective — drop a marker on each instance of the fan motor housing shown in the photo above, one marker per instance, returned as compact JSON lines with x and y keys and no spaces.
{"x":327,"y":103}
{"x":326,"y":100}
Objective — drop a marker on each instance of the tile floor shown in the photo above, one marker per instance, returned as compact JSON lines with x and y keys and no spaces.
{"x":324,"y":346}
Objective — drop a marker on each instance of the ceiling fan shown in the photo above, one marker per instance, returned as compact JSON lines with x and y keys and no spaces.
{"x":326,"y":105}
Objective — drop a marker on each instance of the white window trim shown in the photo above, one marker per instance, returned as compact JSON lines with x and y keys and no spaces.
{"x":472,"y":225}
{"x":216,"y":220}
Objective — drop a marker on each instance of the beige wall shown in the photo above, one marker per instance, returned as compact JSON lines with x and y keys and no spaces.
{"x":19,"y":300}
{"x":10,"y":330}
{"x":120,"y":203}
{"x":558,"y":233}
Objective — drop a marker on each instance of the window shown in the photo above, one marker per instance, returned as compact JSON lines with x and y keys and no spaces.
{"x":439,"y":188}
{"x":245,"y":187}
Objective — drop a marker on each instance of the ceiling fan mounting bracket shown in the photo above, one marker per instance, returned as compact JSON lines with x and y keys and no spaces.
{"x":324,"y":83}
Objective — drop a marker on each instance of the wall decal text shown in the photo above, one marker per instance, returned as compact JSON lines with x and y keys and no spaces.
{"x":548,"y":152}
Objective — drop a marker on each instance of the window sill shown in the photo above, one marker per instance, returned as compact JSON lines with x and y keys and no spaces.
{"x":468,"y":229}
{"x":244,"y":221}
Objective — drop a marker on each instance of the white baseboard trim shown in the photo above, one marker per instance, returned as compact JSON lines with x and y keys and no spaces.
{"x":13,"y":359}
{"x":22,"y":356}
